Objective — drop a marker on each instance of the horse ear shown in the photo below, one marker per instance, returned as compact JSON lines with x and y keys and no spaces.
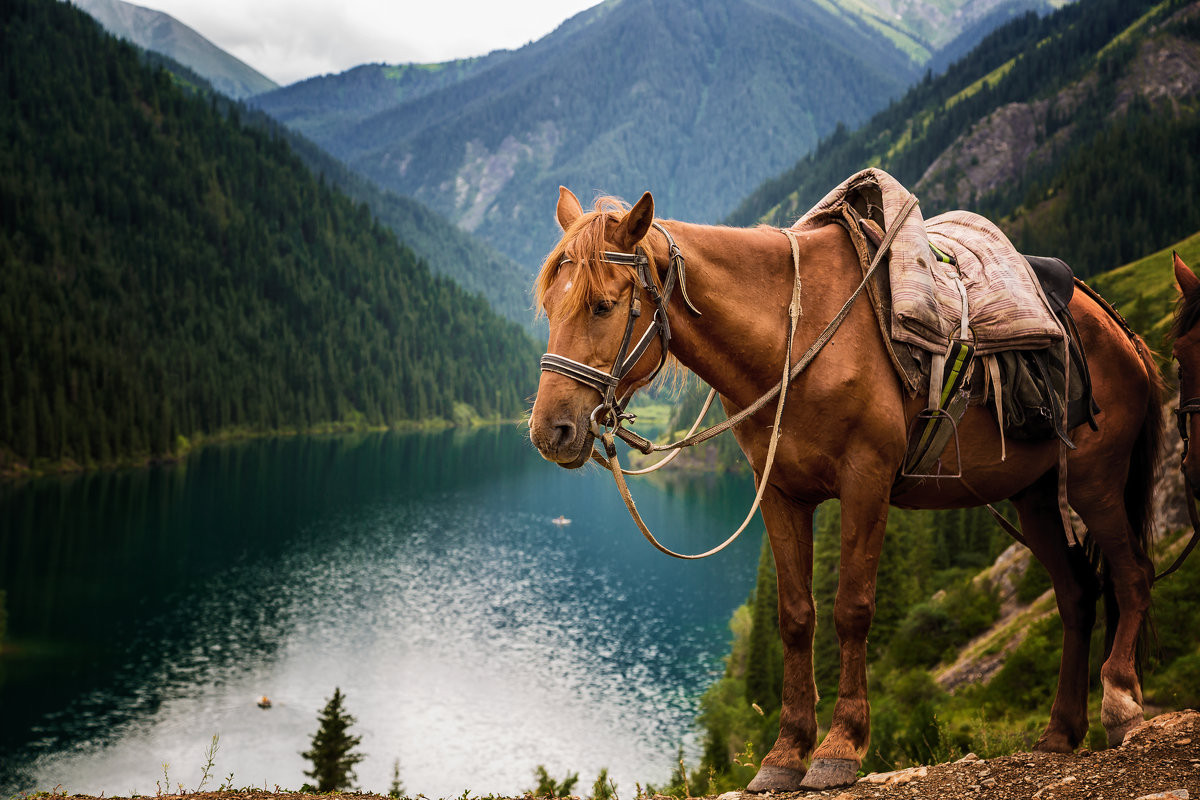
{"x":569,"y":209}
{"x":634,"y":226}
{"x":1187,"y":280}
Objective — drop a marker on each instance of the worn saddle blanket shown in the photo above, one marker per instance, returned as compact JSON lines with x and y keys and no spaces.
{"x":1005,"y":305}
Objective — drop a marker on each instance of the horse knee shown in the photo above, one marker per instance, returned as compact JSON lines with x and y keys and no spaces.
{"x":852,"y":616}
{"x":798,"y":624}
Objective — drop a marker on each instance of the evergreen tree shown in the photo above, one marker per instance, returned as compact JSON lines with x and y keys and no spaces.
{"x":332,"y":752}
{"x":603,"y":788}
{"x":397,"y":787}
{"x":548,"y":787}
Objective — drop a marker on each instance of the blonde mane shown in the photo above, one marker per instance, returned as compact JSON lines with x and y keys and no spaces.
{"x":583,"y":245}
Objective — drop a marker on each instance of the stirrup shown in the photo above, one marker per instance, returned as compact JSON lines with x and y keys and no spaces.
{"x":936,"y":417}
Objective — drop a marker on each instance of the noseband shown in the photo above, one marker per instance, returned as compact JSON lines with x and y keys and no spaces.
{"x":612,"y":409}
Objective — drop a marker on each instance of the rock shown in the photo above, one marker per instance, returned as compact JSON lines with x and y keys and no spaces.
{"x":897,"y":778}
{"x":1174,"y":794}
{"x":967,"y":759}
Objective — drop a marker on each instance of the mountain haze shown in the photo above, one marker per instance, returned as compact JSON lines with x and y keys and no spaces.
{"x":696,"y":101}
{"x":162,"y":33}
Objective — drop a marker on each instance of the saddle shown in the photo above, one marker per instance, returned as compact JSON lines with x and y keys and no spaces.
{"x":967,"y":320}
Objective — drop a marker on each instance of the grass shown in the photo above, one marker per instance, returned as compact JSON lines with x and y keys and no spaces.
{"x":1144,"y":291}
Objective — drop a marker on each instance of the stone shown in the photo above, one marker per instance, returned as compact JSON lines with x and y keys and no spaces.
{"x":1174,"y":794}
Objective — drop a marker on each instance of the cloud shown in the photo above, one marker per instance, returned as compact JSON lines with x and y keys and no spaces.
{"x":289,"y":40}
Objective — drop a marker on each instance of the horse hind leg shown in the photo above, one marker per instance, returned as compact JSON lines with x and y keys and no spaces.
{"x":1131,"y":574}
{"x":1076,"y":590}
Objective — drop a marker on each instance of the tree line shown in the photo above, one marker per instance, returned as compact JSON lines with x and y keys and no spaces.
{"x":170,"y":272}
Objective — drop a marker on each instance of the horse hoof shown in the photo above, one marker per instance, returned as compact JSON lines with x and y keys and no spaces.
{"x":828,"y":773}
{"x":1117,"y":733}
{"x":776,"y":779}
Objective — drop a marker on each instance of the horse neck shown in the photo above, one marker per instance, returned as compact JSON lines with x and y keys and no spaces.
{"x":741,"y":280}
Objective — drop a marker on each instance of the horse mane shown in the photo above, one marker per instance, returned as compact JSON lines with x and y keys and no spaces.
{"x":1187,"y":314}
{"x":583,"y":245}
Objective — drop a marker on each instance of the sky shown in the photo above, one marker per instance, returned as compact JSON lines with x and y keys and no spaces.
{"x":289,"y":40}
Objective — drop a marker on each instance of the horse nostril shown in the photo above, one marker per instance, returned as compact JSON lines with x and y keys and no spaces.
{"x":564,"y":433}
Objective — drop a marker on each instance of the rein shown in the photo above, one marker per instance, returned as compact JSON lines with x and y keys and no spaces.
{"x":1182,"y":416}
{"x":613,"y":410}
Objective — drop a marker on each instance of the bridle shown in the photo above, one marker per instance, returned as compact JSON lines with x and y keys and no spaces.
{"x":1183,"y":417}
{"x":611,"y":410}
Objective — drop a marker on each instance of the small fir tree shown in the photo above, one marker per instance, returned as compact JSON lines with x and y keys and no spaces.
{"x":548,"y":787}
{"x":332,"y":752}
{"x":397,"y":787}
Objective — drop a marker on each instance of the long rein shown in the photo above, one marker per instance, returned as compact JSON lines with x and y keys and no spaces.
{"x":1182,"y":415}
{"x":610,"y":424}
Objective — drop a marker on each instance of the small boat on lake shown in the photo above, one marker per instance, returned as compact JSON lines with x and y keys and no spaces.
{"x":561,"y":520}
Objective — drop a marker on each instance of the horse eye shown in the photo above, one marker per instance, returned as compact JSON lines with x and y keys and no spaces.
{"x":602,"y":307}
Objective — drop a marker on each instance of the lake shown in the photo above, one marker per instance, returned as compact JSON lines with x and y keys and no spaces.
{"x":421,"y":574}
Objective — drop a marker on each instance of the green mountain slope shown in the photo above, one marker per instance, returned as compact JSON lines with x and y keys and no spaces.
{"x":162,"y":33}
{"x":172,"y":273}
{"x":1077,"y":132}
{"x":697,"y":101}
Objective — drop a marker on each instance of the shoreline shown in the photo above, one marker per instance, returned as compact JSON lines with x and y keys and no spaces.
{"x":13,"y":472}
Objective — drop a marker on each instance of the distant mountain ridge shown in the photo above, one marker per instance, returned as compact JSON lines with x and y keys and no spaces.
{"x":1078,"y":132}
{"x":162,"y":33}
{"x":697,"y":101}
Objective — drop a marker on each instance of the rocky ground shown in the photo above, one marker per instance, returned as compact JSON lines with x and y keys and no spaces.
{"x":1160,"y":760}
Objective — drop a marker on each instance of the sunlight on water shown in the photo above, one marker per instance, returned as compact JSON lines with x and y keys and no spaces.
{"x":473,"y":639}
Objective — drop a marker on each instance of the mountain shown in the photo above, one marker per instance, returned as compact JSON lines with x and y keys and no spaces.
{"x":1078,"y":132}
{"x":936,"y":32}
{"x":162,"y":33}
{"x":445,"y":248}
{"x":698,"y":101}
{"x":173,"y":274}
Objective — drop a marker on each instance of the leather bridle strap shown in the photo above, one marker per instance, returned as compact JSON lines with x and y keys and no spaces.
{"x":611,"y":408}
{"x":1185,"y":410}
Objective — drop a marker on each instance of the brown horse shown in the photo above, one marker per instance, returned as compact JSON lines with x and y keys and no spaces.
{"x":844,"y":434}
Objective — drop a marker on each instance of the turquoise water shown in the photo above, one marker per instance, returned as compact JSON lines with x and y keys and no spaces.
{"x":421,"y":573}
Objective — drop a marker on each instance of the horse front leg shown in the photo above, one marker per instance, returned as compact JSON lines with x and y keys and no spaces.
{"x":864,"y":519}
{"x":790,"y":530}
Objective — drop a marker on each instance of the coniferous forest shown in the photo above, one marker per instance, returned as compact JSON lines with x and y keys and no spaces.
{"x":169,"y":272}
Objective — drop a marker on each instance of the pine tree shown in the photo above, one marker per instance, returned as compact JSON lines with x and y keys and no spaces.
{"x":332,"y":752}
{"x":397,"y":788}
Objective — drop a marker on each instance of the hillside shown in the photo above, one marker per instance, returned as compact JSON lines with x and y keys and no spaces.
{"x":444,"y":248}
{"x":1077,"y":132}
{"x":162,"y":33}
{"x":172,"y":274}
{"x":700,"y":101}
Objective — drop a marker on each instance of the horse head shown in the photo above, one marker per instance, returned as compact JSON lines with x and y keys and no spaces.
{"x":1186,"y":351}
{"x":592,"y":288}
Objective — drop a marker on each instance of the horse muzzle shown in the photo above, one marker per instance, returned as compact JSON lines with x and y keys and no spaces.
{"x":566,"y":442}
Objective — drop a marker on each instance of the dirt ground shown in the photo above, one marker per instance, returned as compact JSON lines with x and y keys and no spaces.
{"x":1160,"y":760}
